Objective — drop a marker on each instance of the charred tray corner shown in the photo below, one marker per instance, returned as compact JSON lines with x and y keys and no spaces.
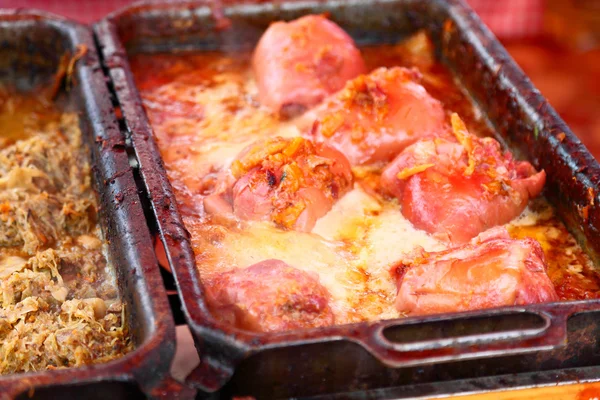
{"x":362,"y":356}
{"x":32,"y":46}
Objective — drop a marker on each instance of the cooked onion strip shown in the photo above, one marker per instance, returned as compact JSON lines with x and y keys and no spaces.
{"x":65,"y":70}
{"x":462,"y":135}
{"x":410,"y":171}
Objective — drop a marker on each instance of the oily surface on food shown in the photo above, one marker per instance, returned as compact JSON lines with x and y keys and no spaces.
{"x":204,"y":110}
{"x":59,"y":303}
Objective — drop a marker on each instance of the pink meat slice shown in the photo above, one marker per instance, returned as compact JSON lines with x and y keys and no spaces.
{"x":292,"y":182}
{"x":376,"y":116}
{"x":269,"y":296}
{"x":299,"y":63}
{"x":456,"y":193}
{"x":492,"y":273}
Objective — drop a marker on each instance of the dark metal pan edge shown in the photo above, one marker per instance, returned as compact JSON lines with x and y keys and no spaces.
{"x":466,"y":387}
{"x":124,"y":225}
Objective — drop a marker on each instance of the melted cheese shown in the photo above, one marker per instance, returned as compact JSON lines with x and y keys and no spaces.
{"x":261,"y":241}
{"x":351,"y":249}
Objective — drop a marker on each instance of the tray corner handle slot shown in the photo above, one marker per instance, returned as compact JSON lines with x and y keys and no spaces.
{"x":467,"y":336}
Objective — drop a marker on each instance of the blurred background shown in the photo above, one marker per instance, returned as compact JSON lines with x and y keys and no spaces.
{"x":556,"y":42}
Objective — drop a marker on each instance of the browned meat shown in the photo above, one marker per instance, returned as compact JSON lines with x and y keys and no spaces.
{"x":270,"y":296}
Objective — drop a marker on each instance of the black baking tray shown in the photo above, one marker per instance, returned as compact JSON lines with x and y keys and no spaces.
{"x":392,"y":353}
{"x":31,"y":45}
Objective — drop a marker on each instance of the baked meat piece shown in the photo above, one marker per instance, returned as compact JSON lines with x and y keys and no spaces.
{"x":270,"y":296}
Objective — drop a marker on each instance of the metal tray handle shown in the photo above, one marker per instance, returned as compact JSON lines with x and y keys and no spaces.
{"x":466,"y":336}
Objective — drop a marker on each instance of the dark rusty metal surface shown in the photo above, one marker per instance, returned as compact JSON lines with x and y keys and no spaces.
{"x":31,"y":44}
{"x":484,"y":385}
{"x":352,"y":358}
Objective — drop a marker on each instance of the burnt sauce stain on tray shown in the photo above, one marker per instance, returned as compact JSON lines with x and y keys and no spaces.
{"x":204,"y":111}
{"x":59,"y":300}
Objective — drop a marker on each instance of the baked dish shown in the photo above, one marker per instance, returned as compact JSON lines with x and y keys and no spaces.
{"x":325,"y":184}
{"x":59,"y":300}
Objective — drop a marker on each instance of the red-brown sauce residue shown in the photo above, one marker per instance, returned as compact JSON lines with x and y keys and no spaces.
{"x":186,"y":125}
{"x":569,"y":267}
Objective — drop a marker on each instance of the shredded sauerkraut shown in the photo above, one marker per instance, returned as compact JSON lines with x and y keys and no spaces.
{"x":59,"y":306}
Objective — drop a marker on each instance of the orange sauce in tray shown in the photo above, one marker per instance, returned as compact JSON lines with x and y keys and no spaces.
{"x":204,"y":111}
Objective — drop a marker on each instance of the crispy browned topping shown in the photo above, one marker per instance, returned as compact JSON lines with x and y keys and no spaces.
{"x":410,"y":171}
{"x":331,"y":123}
{"x":365,"y":93}
{"x":256,"y":155}
{"x":287,"y":165}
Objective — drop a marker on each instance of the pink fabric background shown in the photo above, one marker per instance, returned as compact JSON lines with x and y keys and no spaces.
{"x":508,"y":19}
